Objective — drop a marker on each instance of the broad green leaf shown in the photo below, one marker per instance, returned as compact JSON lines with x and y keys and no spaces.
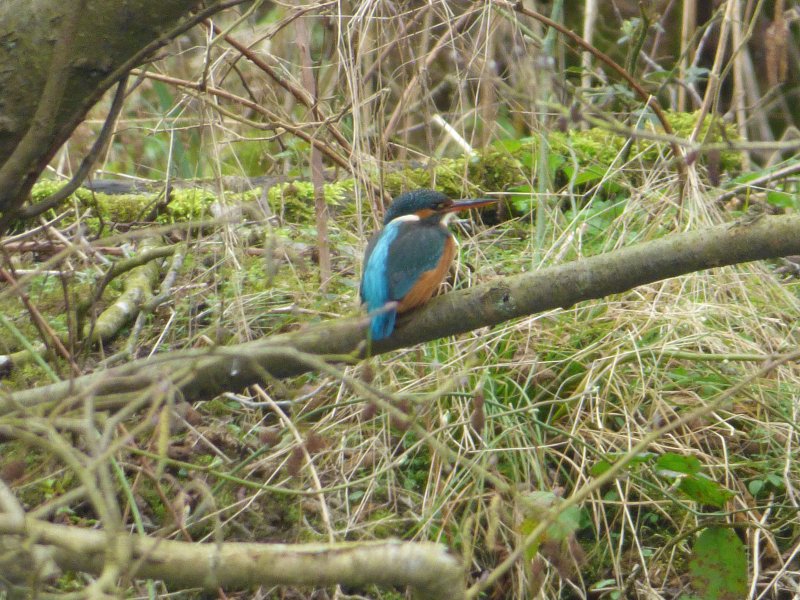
{"x":599,"y":468}
{"x":755,"y":486}
{"x":705,"y":491}
{"x":678,"y":463}
{"x":782,"y":199}
{"x":510,"y":144}
{"x":537,"y":506}
{"x":587,"y":174}
{"x":719,"y":565}
{"x":554,"y":163}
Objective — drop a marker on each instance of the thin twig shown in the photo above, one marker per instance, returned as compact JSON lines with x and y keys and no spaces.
{"x":276,"y":121}
{"x":304,"y":96}
{"x":47,"y":333}
{"x":644,"y":96}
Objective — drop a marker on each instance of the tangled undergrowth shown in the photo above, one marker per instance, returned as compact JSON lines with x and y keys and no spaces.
{"x":545,"y":404}
{"x":473,"y":441}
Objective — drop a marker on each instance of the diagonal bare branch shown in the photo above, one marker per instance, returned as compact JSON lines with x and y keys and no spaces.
{"x":204,"y":373}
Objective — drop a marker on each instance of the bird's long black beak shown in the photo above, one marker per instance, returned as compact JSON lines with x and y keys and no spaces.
{"x":460,"y":205}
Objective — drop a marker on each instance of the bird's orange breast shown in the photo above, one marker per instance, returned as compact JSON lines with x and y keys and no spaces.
{"x":429,"y":281}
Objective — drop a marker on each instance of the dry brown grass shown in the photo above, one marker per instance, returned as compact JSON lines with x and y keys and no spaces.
{"x":495,"y":415}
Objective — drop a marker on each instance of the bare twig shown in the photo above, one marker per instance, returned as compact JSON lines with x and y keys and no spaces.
{"x":317,"y":175}
{"x":305,"y":96}
{"x":275,"y":121}
{"x":45,"y":331}
{"x":441,"y":43}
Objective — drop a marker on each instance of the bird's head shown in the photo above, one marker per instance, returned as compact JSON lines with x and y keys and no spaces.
{"x":429,"y":203}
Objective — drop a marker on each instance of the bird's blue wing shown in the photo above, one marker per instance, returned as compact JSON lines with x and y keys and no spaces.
{"x":375,"y":283}
{"x":394,"y":262}
{"x":367,"y":253}
{"x":417,"y":248}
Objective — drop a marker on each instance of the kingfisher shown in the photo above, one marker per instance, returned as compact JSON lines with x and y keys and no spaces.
{"x":408,"y":259}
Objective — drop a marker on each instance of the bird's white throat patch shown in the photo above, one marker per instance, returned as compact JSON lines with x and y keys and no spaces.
{"x":407,"y":218}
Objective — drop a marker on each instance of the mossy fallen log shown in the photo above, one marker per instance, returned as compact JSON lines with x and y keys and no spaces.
{"x":137,"y":288}
{"x":580,"y":158}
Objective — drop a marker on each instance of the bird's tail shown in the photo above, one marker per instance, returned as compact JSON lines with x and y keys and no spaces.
{"x":383,"y":323}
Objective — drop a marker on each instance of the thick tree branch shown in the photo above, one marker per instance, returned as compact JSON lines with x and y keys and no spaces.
{"x":68,"y":83}
{"x":205,"y":373}
{"x":426,"y":567}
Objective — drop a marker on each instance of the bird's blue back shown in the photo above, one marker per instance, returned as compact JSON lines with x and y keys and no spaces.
{"x":395,"y":260}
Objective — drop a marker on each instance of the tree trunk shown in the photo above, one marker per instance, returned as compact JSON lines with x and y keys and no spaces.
{"x":56,"y":61}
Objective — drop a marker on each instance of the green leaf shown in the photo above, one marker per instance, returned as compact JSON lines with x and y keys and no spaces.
{"x":755,"y":486}
{"x":537,"y":506}
{"x":605,"y":464}
{"x":510,"y":145}
{"x":599,"y":468}
{"x":705,"y":491}
{"x":522,"y":198}
{"x":565,"y":524}
{"x":782,"y":199}
{"x":775,"y":481}
{"x":554,"y":163}
{"x":677,"y":463}
{"x":719,"y":565}
{"x":525,"y":528}
{"x":588,"y":174}
{"x":658,"y":76}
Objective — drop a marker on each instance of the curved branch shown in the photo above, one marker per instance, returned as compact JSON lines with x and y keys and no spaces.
{"x":204,"y":373}
{"x":88,"y":161}
{"x":425,"y":566}
{"x":97,"y":59}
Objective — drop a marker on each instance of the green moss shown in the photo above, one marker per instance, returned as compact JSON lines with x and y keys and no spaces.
{"x":590,"y":147}
{"x":492,"y":170}
{"x":118,"y":208}
{"x":406,"y":179}
{"x":596,"y":149}
{"x":45,"y":188}
{"x":497,"y":168}
{"x":188,"y":205}
{"x":147,"y":492}
{"x":295,"y":200}
{"x":713,"y":131}
{"x":216,"y":408}
{"x":29,"y":374}
{"x":385,"y":524}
